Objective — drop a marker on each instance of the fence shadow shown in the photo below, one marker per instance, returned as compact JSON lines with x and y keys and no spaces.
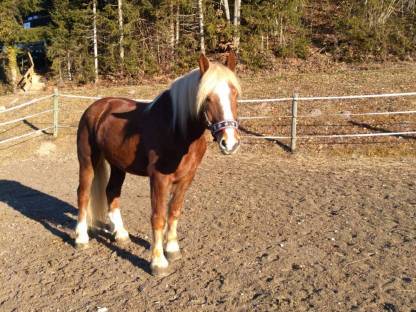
{"x":59,"y":218}
{"x":284,"y":146}
{"x":33,"y":127}
{"x":379,"y":129}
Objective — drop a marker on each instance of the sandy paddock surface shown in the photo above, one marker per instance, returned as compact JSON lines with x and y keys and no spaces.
{"x":329,"y":229}
{"x":260,"y":231}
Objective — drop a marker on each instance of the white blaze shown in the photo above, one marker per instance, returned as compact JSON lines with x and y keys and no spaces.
{"x":223,"y":91}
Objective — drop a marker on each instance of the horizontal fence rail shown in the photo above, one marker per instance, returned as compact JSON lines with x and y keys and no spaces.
{"x":97,"y":97}
{"x":329,"y":98}
{"x":317,"y":136}
{"x":25,"y":117}
{"x":294,"y":100}
{"x":31,"y":102}
{"x":345,"y":115}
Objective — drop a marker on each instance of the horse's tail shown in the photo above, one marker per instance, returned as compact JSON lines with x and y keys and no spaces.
{"x":98,"y":206}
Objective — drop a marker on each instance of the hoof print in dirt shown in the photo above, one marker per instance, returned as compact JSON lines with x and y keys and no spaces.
{"x":173,"y":256}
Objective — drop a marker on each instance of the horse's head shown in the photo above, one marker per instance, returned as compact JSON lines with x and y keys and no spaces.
{"x":219,"y":90}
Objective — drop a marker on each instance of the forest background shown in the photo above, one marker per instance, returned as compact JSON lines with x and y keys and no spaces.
{"x":125,"y":41}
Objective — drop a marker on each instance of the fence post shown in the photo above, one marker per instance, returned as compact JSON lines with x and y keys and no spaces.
{"x":294,"y":120}
{"x":55,"y":112}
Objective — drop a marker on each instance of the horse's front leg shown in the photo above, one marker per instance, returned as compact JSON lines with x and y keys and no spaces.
{"x":178,"y":195}
{"x":160,"y":185}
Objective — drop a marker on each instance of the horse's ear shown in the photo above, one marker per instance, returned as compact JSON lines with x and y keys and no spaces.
{"x":231,"y":61}
{"x":203,"y":63}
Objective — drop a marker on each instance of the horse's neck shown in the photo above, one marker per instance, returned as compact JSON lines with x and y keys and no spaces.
{"x":196,"y":130}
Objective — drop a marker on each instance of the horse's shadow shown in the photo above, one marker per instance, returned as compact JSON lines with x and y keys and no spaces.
{"x":59,"y":218}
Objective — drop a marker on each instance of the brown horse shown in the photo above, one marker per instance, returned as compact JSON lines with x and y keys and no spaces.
{"x":163,"y":140}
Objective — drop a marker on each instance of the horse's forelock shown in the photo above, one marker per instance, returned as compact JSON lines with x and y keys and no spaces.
{"x":215,"y":74}
{"x":189,"y":92}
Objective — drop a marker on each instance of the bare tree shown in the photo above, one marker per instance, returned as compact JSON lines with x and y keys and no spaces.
{"x":172,"y":26}
{"x":226,"y":9}
{"x":236,"y":22}
{"x":201,"y":27}
{"x":68,"y":65}
{"x":120,"y":27}
{"x":94,"y":12}
{"x":177,"y":25}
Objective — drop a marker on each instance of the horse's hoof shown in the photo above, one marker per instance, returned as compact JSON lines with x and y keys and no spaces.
{"x":173,"y":256}
{"x":122,"y":239}
{"x":81,"y":246}
{"x":160,"y":272}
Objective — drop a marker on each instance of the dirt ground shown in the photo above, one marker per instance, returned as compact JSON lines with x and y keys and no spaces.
{"x":332,"y":228}
{"x":261,"y":231}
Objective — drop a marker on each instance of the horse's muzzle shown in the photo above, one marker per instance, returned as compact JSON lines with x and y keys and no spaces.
{"x":226,"y":149}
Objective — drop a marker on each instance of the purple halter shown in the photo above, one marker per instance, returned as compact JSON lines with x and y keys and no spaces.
{"x":225,"y":124}
{"x":221,"y":125}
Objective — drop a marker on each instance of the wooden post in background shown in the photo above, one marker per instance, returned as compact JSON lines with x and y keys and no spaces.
{"x":294,"y":120}
{"x":55,"y":112}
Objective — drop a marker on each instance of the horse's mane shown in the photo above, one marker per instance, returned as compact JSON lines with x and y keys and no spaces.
{"x":189,"y":92}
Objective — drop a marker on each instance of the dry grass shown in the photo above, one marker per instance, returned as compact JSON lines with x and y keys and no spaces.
{"x":340,"y":81}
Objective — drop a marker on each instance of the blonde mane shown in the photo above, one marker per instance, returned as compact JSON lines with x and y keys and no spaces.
{"x":188,"y":93}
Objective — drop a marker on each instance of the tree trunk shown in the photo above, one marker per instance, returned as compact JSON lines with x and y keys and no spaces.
{"x":262,"y":43}
{"x":177,"y":26}
{"x":120,"y":27}
{"x":60,"y":72}
{"x":201,"y":27}
{"x":94,"y":11}
{"x":12,"y":67}
{"x":236,"y":39}
{"x":68,"y":66}
{"x":172,"y":27}
{"x":281,"y":38}
{"x":227,"y":10}
{"x":267,"y":42}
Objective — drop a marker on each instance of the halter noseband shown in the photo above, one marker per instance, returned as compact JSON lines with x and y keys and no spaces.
{"x":221,"y":125}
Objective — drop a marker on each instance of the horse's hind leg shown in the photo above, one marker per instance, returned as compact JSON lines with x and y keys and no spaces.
{"x":88,"y":157}
{"x":176,"y":203}
{"x":86,"y":175}
{"x":113,"y":192}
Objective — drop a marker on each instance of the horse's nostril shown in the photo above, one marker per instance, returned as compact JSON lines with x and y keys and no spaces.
{"x":223,"y":143}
